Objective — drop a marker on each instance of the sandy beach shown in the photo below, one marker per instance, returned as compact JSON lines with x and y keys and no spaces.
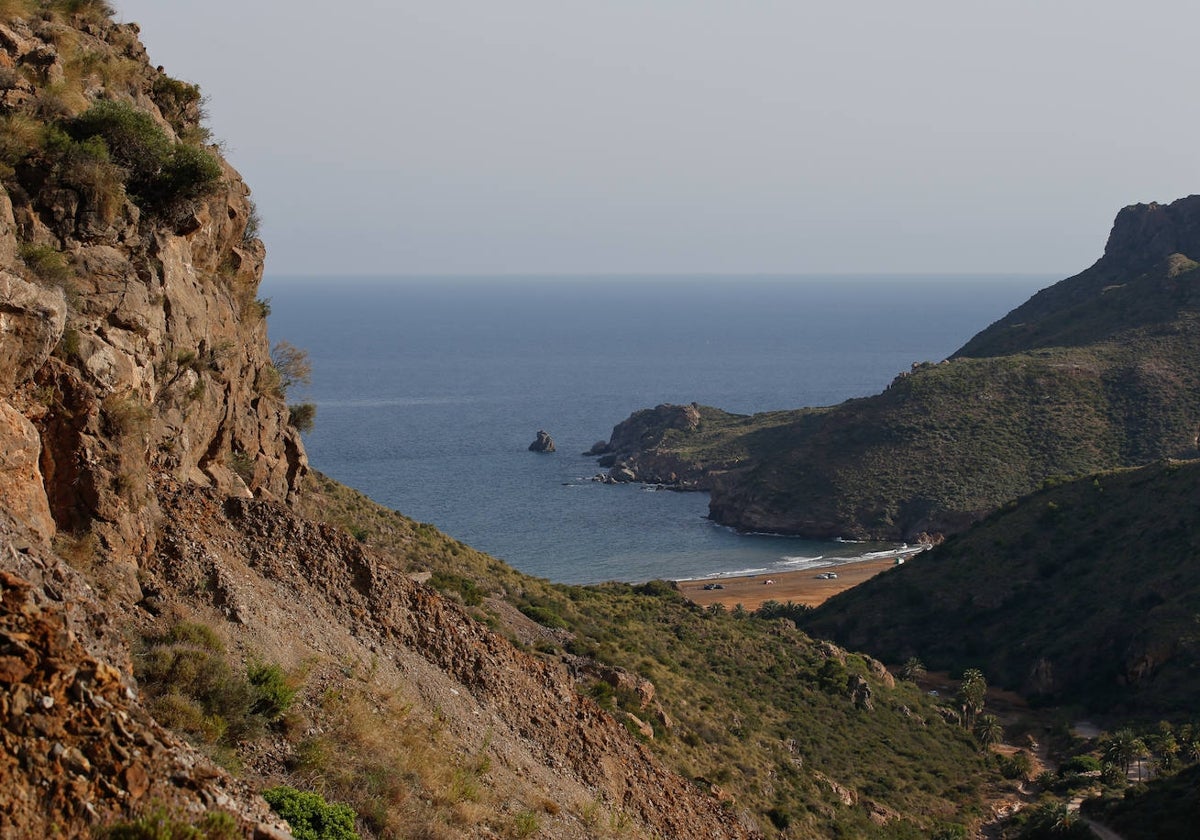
{"x":801,"y":587}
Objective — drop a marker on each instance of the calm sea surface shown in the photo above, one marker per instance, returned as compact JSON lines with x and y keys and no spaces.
{"x":429,"y":391}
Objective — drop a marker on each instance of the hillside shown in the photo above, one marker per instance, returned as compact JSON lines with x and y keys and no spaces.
{"x":1082,"y":594}
{"x":190,"y":618}
{"x":1091,"y":374}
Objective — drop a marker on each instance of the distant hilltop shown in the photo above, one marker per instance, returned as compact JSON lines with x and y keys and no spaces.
{"x":1093,"y":373}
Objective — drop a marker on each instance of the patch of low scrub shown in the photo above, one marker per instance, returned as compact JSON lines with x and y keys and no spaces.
{"x":192,"y":688}
{"x":160,"y":824}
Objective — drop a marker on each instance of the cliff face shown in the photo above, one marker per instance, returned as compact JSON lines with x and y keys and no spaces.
{"x":1092,"y":373}
{"x":129,"y":348}
{"x":1145,"y":279}
{"x":160,"y":355}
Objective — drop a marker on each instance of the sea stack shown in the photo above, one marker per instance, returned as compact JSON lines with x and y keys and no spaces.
{"x":544,"y":442}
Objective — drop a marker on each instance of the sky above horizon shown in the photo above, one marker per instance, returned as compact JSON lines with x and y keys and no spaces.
{"x":681,"y":136}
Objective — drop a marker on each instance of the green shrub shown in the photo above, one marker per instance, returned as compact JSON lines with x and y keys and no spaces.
{"x":310,"y":816}
{"x":132,"y":136}
{"x":525,"y":824}
{"x":188,"y":173}
{"x":543,"y":616}
{"x":272,"y":693}
{"x":1018,"y":766}
{"x":292,"y":364}
{"x":242,"y":465}
{"x":1080,"y":764}
{"x":87,"y":169}
{"x":162,"y":175}
{"x":471,"y":594}
{"x":192,"y":688}
{"x":179,"y":102}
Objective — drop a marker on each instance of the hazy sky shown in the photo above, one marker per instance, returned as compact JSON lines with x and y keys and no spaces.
{"x":777,"y":136}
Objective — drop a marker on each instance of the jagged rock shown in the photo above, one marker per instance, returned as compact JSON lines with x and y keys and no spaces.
{"x":880,"y":672}
{"x":859,"y":691}
{"x":79,"y":750}
{"x":1041,"y":678}
{"x":622,"y":475}
{"x":831,"y":651}
{"x":544,"y":442}
{"x":845,"y":794}
{"x":32,"y":320}
{"x":644,"y":729}
{"x":24,"y":498}
{"x":646,"y":428}
{"x":598,"y":448}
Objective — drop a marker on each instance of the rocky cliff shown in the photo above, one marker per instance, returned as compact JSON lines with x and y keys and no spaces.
{"x":131,"y":322}
{"x":1145,"y":279}
{"x":1093,"y":373}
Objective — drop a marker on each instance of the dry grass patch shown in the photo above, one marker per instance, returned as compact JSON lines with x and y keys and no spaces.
{"x":377,"y":755}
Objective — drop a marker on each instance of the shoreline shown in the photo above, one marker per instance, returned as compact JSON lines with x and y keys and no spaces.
{"x":803,"y":586}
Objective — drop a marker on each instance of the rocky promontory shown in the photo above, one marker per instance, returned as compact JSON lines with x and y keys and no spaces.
{"x":1090,"y":374}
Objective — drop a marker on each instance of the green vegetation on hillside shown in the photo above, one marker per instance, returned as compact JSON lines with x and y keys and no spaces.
{"x":1084,"y":593}
{"x":751,"y":705}
{"x":947,"y":443}
{"x":191,"y":687}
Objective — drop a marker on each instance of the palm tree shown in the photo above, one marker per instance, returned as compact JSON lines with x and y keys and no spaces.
{"x":1124,"y":748}
{"x":912,"y":670}
{"x":971,"y":693}
{"x":989,"y":731}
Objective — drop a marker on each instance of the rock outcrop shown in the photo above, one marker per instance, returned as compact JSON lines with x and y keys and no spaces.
{"x":543,"y":443}
{"x":125,"y":350}
{"x":1145,"y":279}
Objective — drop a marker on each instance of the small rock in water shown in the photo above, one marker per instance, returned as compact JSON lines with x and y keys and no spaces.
{"x":544,"y":443}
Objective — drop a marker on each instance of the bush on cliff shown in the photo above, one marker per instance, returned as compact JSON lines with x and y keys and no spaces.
{"x":191,"y":687}
{"x":310,"y":816}
{"x":162,"y":175}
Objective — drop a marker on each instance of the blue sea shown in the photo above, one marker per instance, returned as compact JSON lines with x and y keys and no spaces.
{"x":429,"y":391}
